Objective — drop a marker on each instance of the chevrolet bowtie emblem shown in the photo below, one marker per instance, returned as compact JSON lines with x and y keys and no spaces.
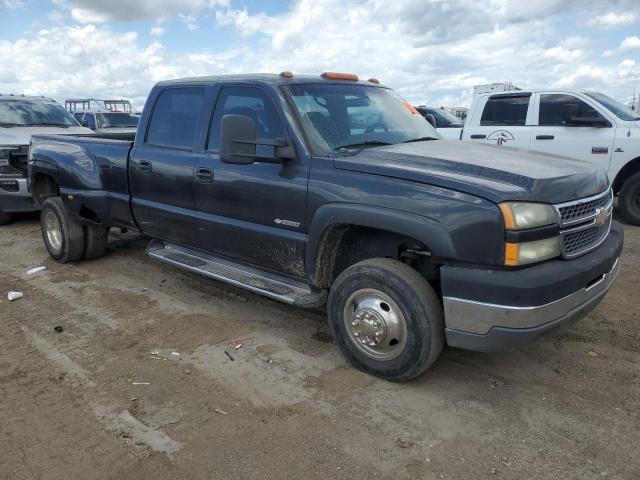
{"x":601,"y":217}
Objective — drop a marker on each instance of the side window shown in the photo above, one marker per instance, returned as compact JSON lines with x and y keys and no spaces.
{"x":505,"y":110}
{"x":91,"y":121}
{"x":78,"y":117}
{"x":175,"y":116}
{"x":557,"y":109}
{"x":248,"y":101}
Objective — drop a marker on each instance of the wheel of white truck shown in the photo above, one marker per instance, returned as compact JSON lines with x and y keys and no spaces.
{"x":629,"y":200}
{"x":5,"y":218}
{"x":63,"y":236}
{"x":386,"y":319}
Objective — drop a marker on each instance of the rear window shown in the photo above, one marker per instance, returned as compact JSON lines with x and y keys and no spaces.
{"x":174,"y":118}
{"x":505,"y":111}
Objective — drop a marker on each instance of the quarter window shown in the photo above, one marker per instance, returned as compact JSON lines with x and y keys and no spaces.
{"x":505,"y":111}
{"x":251,"y":102}
{"x":175,"y":116}
{"x":557,"y":109}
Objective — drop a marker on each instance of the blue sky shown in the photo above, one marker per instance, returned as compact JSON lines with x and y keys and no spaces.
{"x":431,"y":51}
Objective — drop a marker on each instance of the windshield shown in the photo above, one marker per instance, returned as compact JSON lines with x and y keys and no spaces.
{"x":618,"y":109}
{"x":342,"y":117}
{"x":21,"y":112}
{"x":116,"y":120}
{"x":444,"y":118}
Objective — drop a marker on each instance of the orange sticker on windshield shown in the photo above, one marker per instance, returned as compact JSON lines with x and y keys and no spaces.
{"x":411,"y":109}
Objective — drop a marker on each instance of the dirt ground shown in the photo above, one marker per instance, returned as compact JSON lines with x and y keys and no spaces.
{"x":137,"y":385}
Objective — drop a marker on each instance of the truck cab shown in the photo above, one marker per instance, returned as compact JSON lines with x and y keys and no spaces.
{"x":587,"y":126}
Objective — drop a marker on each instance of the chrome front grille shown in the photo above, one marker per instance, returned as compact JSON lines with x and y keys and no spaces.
{"x":585,"y":223}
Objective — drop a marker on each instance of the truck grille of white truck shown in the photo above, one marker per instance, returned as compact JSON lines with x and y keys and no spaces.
{"x":585,"y":223}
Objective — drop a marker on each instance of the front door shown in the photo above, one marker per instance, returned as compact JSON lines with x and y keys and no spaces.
{"x":162,"y":167}
{"x":253,"y":213}
{"x":556,"y":134}
{"x":505,"y":121}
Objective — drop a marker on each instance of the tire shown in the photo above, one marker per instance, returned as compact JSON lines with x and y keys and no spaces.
{"x":95,"y":244}
{"x":62,"y":235}
{"x":629,"y":200}
{"x":392,"y":293}
{"x":5,"y":218}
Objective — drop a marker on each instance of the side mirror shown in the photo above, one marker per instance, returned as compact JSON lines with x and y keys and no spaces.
{"x":431,"y":119}
{"x":238,"y":143}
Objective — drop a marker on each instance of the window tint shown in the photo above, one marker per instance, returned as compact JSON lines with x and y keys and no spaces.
{"x":557,"y":109}
{"x":78,"y":116}
{"x":174,"y":118}
{"x":505,"y":110}
{"x":251,"y":102}
{"x":91,"y":121}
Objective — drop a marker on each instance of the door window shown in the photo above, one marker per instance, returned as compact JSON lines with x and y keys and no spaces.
{"x":175,"y":116}
{"x":251,"y":102}
{"x":91,"y":121}
{"x":505,"y":110}
{"x":557,"y":109}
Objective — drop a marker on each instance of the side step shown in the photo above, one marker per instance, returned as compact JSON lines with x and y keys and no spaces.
{"x":268,"y":284}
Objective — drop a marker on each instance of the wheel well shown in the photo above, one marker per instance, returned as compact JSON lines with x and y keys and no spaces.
{"x":345,"y":245}
{"x":626,"y":172}
{"x":43,"y":187}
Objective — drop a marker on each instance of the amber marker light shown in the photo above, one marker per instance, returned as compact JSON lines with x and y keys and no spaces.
{"x":286,"y":74}
{"x":340,"y":76}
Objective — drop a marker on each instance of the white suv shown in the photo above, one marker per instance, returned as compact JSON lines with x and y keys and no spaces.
{"x":20,"y":118}
{"x":583,"y":125}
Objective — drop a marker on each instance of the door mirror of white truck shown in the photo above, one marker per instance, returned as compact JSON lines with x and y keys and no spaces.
{"x":239,"y":144}
{"x":431,"y":119}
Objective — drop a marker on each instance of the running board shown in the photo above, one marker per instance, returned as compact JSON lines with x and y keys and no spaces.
{"x":267,"y":284}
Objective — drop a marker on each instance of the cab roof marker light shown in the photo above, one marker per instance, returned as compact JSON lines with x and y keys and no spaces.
{"x":339,"y":76}
{"x":374,"y":80}
{"x":286,"y":74}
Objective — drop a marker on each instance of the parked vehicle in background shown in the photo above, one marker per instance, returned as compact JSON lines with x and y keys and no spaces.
{"x":107,"y":121}
{"x":113,"y":105}
{"x":309,"y":189}
{"x":20,"y":118}
{"x":587,"y":126}
{"x":445,"y":122}
{"x":494,"y":88}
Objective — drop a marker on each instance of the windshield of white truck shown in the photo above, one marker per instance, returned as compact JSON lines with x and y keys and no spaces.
{"x":116,"y":120}
{"x":618,"y":109}
{"x":344,"y":117}
{"x":31,"y":113}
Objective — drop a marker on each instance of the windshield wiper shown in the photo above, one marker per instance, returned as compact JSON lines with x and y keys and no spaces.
{"x":421,"y":139}
{"x":369,"y":143}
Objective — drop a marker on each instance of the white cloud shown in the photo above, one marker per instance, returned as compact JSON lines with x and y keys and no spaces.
{"x":629,"y":43}
{"x":100,"y":11}
{"x":613,"y":19}
{"x":157,"y":31}
{"x":190,"y":21}
{"x":11,"y":3}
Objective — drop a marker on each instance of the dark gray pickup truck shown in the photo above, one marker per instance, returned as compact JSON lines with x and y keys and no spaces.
{"x":314,"y":189}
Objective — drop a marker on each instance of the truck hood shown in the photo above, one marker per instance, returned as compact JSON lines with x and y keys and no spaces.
{"x":22,"y":135}
{"x":487,"y":171}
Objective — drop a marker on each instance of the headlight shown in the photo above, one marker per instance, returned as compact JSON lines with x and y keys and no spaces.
{"x":519,"y":215}
{"x":4,"y":155}
{"x":532,"y":233}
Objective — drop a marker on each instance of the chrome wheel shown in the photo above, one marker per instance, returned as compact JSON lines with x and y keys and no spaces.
{"x":53,"y":230}
{"x":375,"y":324}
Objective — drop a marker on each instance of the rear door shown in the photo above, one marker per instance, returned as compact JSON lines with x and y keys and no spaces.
{"x":503,"y":120}
{"x":554,"y":132}
{"x":161,"y":171}
{"x":253,"y":213}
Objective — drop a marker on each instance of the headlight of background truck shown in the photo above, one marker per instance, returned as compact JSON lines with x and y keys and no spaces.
{"x":4,"y":155}
{"x":532,"y":233}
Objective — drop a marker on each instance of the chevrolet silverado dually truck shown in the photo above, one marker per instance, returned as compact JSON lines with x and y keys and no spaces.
{"x":314,"y":189}
{"x":21,"y":117}
{"x":587,"y":126}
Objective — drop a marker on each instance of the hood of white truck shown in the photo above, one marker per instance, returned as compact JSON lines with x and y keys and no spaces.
{"x":22,"y":135}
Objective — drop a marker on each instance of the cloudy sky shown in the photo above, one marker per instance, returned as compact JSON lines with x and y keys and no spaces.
{"x":431,"y":51}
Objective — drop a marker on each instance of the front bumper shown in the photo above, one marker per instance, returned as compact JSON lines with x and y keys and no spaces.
{"x":15,"y":195}
{"x":489,"y":310}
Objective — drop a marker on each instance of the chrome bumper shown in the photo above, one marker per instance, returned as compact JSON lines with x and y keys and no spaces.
{"x":479,"y":318}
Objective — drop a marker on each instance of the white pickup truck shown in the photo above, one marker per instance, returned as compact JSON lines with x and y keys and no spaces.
{"x":20,"y":118}
{"x":584,"y":125}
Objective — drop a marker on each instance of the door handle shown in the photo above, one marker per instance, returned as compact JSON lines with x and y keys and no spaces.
{"x":145,"y":166}
{"x":544,"y":137}
{"x":204,"y":175}
{"x":478,"y":136}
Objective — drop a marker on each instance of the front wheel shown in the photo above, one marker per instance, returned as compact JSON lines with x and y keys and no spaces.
{"x":386,"y":319}
{"x":63,"y":236}
{"x":5,"y":217}
{"x":629,"y":200}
